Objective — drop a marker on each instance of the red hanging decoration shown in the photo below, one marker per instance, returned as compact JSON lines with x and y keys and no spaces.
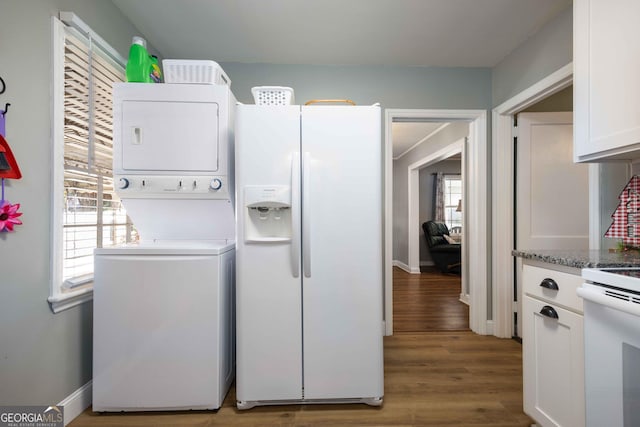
{"x":8,"y":165}
{"x":8,"y":170}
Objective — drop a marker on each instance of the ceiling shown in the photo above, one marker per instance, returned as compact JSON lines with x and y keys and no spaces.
{"x":406,"y":135}
{"x":425,"y":33}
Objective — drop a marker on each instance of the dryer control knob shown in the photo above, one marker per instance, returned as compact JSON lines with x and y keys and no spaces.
{"x":123,"y":183}
{"x":215,"y":184}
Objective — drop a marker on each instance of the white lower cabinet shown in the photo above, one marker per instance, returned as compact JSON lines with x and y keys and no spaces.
{"x":553,"y":353}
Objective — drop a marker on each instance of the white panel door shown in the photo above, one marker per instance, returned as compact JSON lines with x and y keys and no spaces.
{"x":269,"y":306}
{"x":342,"y":252}
{"x":552,"y":192}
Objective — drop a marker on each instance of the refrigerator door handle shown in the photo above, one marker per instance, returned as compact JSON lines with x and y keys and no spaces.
{"x":306,"y":215}
{"x":295,"y":214}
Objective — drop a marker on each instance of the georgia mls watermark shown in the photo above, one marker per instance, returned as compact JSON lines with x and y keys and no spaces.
{"x":31,"y":416}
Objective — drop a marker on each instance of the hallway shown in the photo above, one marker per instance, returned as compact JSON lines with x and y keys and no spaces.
{"x":428,"y":302}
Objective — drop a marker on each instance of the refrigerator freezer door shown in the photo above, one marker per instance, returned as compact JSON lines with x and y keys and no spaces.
{"x":342,"y":297}
{"x":269,"y":305}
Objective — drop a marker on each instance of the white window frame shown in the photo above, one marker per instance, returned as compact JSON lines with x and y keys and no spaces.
{"x":60,"y":298}
{"x":451,"y":177}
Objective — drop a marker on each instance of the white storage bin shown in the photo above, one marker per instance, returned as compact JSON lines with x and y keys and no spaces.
{"x":194,"y":71}
{"x":272,"y":95}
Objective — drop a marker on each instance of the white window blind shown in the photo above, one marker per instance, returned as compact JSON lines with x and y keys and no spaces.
{"x":93,"y":216}
{"x":86,"y":211}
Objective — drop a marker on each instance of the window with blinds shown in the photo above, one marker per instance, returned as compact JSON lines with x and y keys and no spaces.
{"x":93,"y":215}
{"x":452,"y":198}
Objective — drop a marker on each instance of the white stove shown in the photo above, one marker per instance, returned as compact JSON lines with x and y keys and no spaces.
{"x":621,"y":278}
{"x":612,"y":346}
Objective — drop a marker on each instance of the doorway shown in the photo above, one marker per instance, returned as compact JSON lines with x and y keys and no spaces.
{"x":551,"y":191}
{"x":475,"y":149}
{"x":428,"y":302}
{"x":433,"y":300}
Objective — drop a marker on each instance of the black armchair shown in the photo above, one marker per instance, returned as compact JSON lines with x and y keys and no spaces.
{"x":445,"y":255}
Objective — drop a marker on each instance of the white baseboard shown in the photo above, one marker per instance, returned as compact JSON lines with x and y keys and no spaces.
{"x":490,"y":327}
{"x":401,"y":265}
{"x":405,"y":267}
{"x":464,"y":298}
{"x":76,"y":402}
{"x":427,"y":264}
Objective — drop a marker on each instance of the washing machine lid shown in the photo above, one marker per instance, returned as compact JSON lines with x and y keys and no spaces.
{"x":170,"y":247}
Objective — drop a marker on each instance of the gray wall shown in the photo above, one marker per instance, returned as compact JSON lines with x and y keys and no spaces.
{"x":426,"y":198}
{"x":546,"y":51}
{"x":44,"y":357}
{"x":392,"y":87}
{"x":447,"y":136}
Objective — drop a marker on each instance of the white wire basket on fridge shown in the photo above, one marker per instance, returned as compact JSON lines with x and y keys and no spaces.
{"x":272,"y":95}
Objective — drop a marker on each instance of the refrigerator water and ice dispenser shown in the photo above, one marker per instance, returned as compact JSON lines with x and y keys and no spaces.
{"x":268,"y":213}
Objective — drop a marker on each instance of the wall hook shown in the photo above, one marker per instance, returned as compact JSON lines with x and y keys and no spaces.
{"x":6,"y":108}
{"x":4,"y":86}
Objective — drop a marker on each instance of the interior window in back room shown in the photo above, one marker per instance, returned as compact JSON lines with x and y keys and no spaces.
{"x":452,"y":200}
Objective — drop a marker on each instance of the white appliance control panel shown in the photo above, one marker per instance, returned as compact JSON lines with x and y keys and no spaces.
{"x":171,"y":186}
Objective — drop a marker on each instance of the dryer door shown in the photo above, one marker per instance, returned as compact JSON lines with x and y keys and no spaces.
{"x":170,"y":136}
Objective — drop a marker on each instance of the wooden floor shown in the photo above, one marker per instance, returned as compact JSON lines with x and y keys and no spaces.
{"x":447,"y":378}
{"x":428,"y":302}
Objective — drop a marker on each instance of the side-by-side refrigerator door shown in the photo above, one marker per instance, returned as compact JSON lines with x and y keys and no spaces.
{"x":342,"y":252}
{"x":268,"y":281}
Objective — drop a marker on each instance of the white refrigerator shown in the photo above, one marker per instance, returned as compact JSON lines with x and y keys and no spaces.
{"x":309,"y":255}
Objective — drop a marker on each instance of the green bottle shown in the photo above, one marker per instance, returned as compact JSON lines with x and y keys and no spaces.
{"x":139,"y":62}
{"x":156,"y":72}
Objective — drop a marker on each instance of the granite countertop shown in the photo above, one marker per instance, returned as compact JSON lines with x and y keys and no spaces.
{"x":582,"y":258}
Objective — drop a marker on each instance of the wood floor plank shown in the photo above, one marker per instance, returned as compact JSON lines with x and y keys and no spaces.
{"x":437,"y":373}
{"x":428,"y":302}
{"x":431,"y":379}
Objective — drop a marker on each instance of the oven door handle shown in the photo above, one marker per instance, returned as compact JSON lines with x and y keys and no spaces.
{"x":598,"y":298}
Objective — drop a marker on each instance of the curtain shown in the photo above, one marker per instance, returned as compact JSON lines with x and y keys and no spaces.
{"x":438,"y":197}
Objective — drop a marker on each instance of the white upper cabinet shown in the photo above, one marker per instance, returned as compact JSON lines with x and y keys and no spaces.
{"x":606,"y":58}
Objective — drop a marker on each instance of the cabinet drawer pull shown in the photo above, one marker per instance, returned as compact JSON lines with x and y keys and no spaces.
{"x":549,"y":311}
{"x":549,"y":284}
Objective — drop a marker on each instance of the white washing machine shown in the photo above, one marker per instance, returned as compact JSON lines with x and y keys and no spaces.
{"x":163,"y":326}
{"x":163,"y":320}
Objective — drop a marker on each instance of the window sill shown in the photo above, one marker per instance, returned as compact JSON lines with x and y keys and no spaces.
{"x":66,"y":300}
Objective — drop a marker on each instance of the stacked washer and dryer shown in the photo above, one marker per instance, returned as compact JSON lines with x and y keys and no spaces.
{"x":164,"y":308}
